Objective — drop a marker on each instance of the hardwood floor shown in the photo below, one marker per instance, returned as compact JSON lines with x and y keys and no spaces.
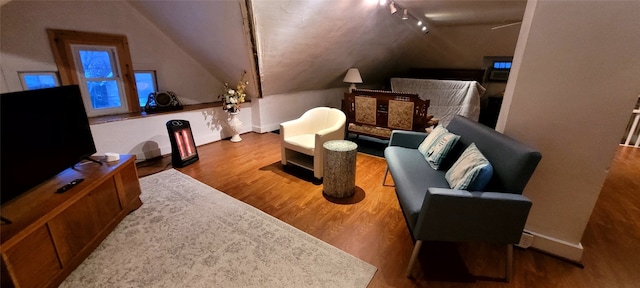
{"x":371,"y":227}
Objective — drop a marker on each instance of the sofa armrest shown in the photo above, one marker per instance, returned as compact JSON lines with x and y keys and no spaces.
{"x":458,"y":215}
{"x":408,"y":139}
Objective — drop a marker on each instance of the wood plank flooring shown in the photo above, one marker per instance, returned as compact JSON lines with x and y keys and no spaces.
{"x":371,"y":227}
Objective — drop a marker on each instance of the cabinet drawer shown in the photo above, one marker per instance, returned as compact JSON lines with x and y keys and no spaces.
{"x":32,"y":262}
{"x":78,"y":225}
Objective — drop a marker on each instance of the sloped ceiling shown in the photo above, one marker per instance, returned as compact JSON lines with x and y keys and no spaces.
{"x":309,"y":44}
{"x":212,"y":32}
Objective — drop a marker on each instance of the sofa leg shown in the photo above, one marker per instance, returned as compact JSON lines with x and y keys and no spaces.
{"x":509,"y":263}
{"x":414,"y":258}
{"x":384,"y":179}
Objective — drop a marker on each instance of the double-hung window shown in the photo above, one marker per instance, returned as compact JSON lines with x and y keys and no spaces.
{"x":101,"y":65}
{"x":100,"y":79}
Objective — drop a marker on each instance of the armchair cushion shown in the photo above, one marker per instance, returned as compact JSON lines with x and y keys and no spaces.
{"x":304,"y":143}
{"x":471,"y":171}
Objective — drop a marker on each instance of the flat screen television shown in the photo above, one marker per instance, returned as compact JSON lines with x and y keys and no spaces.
{"x":42,"y":133}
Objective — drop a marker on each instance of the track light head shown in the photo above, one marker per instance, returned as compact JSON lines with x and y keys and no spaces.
{"x":405,"y":15}
{"x":393,"y":8}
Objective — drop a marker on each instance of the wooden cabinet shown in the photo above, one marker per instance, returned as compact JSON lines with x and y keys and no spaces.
{"x":51,"y":233}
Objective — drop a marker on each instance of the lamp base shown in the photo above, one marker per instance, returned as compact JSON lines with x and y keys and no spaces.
{"x":352,"y":87}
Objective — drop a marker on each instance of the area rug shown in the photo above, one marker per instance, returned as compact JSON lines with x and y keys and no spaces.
{"x":187,"y":234}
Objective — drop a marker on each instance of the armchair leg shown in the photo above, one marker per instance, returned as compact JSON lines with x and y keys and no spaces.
{"x":509,"y":263}
{"x":414,"y":258}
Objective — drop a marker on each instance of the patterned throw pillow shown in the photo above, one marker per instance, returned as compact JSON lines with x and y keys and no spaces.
{"x":440,"y":149}
{"x":472,"y":171}
{"x":431,"y":139}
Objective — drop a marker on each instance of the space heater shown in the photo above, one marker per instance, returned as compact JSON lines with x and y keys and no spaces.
{"x":183,"y":147}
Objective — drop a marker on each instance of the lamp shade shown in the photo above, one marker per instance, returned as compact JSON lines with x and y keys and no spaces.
{"x":353,"y":76}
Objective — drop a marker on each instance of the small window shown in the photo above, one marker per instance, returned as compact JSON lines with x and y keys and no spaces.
{"x":146,"y":84}
{"x":38,"y":80}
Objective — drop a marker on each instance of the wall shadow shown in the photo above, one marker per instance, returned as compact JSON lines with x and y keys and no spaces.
{"x":150,"y":149}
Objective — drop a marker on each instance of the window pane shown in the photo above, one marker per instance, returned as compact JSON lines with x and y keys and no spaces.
{"x":39,"y":81}
{"x":146,"y":85}
{"x":104,"y":94}
{"x":96,"y":64}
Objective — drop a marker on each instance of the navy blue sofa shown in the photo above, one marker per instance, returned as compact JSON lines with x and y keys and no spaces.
{"x":435,"y":212}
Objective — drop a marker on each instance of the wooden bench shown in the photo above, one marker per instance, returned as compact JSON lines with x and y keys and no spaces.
{"x":376,"y":113}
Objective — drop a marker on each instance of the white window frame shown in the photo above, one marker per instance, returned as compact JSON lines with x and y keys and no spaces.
{"x":23,"y":82}
{"x":115,"y":66}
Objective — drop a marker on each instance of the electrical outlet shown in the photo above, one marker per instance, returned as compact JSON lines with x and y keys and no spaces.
{"x":525,"y":240}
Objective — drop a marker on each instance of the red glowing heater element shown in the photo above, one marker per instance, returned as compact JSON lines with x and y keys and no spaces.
{"x":183,"y":148}
{"x":184,"y":142}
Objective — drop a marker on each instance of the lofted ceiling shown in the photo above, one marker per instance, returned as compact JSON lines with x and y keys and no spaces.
{"x":306,"y":45}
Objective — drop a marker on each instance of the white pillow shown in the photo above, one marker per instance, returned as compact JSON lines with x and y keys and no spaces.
{"x":431,"y":139}
{"x":472,"y":170}
{"x":440,"y":149}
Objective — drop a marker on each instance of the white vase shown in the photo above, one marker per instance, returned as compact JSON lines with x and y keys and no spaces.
{"x":235,"y":125}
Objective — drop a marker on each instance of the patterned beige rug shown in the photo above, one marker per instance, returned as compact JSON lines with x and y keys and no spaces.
{"x":187,"y":234}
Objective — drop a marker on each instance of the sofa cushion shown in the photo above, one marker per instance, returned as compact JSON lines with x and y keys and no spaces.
{"x":440,"y":149}
{"x":413,"y":177}
{"x":471,"y":171}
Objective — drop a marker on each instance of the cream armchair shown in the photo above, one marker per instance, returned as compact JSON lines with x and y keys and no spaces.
{"x":302,"y":138}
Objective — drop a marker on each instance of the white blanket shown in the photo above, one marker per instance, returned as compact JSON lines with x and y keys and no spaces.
{"x":447,"y":97}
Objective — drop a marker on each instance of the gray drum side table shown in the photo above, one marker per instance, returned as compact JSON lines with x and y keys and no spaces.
{"x":339,"y":168}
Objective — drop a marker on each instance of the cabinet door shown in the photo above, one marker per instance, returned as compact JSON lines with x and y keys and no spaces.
{"x":32,"y":262}
{"x":128,"y":185}
{"x":79,"y":224}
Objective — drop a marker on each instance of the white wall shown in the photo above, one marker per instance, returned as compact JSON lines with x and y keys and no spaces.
{"x":573,"y":82}
{"x":148,"y":137}
{"x":275,"y":109}
{"x":25,"y":45}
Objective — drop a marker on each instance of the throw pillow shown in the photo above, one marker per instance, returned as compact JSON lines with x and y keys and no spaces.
{"x":431,"y":139}
{"x":471,"y":171}
{"x":440,"y":149}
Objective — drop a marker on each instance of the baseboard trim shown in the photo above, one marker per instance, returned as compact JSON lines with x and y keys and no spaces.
{"x":556,"y":247}
{"x":266,"y":128}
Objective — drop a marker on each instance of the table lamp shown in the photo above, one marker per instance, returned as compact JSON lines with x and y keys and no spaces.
{"x":353,"y":77}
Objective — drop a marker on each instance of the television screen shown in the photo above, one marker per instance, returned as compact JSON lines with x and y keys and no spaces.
{"x":43,"y":132}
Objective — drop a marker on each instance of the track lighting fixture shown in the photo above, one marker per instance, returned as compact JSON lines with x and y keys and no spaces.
{"x":393,"y":8}
{"x":405,"y":15}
